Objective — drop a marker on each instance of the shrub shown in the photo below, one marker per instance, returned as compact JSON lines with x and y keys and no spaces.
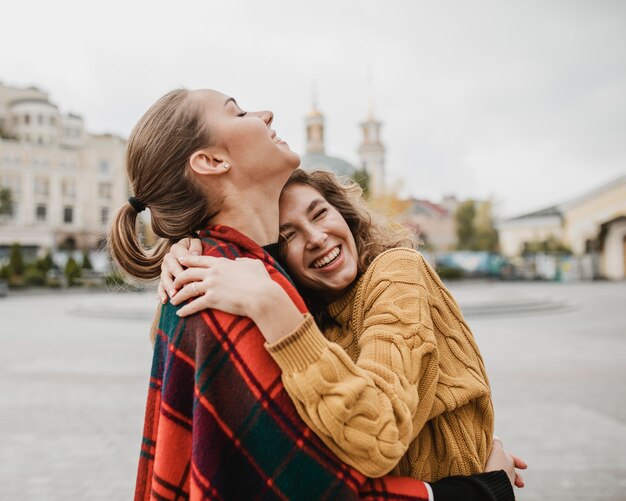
{"x":16,"y":260}
{"x":72,"y":272}
{"x":450,"y":273}
{"x":33,"y":276}
{"x":86,"y":261}
{"x":6,"y":272}
{"x":45,"y":264}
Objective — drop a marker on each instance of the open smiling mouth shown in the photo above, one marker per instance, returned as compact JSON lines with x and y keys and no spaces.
{"x":328,"y":259}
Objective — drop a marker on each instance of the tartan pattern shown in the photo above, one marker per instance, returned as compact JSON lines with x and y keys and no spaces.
{"x":219,"y":423}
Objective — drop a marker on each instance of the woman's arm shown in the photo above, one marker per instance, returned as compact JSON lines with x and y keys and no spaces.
{"x":367,"y":412}
{"x":241,"y":287}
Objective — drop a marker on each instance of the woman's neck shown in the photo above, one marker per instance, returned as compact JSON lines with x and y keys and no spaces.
{"x":256,"y":217}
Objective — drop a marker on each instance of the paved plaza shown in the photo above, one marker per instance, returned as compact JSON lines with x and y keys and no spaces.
{"x":74,"y":373}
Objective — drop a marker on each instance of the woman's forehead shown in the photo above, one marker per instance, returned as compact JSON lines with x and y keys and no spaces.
{"x":296,"y":200}
{"x":298,"y":194}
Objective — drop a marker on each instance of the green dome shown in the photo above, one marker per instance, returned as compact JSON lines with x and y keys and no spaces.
{"x":319,"y":161}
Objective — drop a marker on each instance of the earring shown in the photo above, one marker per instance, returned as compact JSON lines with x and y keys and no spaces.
{"x":226,"y":165}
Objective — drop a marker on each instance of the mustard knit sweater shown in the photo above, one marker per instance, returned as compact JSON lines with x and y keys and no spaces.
{"x":399,"y":384}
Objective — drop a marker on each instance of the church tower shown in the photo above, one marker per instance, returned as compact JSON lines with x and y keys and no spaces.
{"x":372,"y":155}
{"x":314,"y":130}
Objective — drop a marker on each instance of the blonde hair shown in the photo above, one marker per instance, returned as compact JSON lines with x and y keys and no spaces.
{"x":157,"y":164}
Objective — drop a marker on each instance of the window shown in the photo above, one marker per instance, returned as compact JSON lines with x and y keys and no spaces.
{"x":52,"y":121}
{"x":40,"y":119}
{"x":68,"y":214}
{"x":104,"y":215}
{"x":42,"y":186}
{"x":68,"y":188}
{"x":26,"y":119}
{"x":40,"y":212}
{"x":103,"y":167}
{"x":104,"y":190}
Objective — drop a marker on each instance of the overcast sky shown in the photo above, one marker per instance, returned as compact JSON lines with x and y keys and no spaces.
{"x":523,"y":101}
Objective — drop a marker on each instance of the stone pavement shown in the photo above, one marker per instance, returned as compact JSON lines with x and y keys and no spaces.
{"x":74,"y":371}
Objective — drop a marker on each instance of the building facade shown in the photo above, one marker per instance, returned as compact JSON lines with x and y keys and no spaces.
{"x":593,"y":226}
{"x":433,"y":223}
{"x":372,"y":155}
{"x":65,"y":183}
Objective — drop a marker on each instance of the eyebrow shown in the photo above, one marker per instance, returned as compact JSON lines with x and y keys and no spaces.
{"x":309,"y":209}
{"x":230,"y":99}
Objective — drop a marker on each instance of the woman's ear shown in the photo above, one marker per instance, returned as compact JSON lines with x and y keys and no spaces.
{"x":203,"y":162}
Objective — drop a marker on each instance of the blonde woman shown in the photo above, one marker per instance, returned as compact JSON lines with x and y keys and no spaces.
{"x":219,"y":423}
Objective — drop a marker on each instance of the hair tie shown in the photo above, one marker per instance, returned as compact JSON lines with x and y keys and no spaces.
{"x":137,"y":204}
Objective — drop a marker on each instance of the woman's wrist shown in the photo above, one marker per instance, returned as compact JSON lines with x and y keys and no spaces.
{"x":275,"y":314}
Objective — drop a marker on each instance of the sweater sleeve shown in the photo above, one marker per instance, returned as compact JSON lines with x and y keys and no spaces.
{"x":368,"y":412}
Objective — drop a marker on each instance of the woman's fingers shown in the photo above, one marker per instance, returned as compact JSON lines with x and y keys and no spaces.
{"x":191,"y":275}
{"x":170,"y":268}
{"x":519,"y":462}
{"x":194,"y":288}
{"x":200,"y":261}
{"x":161,"y":293}
{"x":194,"y":306}
{"x":195,"y":247}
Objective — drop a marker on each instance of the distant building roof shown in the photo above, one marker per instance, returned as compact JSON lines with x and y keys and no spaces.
{"x":558,"y":210}
{"x":427,"y":207}
{"x":552,"y":211}
{"x":320,"y":161}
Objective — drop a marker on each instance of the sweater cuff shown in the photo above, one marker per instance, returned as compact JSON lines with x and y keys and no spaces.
{"x":303,"y":347}
{"x":492,"y":486}
{"x":499,"y":484}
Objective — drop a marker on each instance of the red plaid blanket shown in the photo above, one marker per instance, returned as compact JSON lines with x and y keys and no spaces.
{"x":219,"y":424}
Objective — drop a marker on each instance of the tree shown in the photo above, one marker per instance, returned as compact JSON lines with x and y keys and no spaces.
{"x":486,"y":234}
{"x":474,"y":227}
{"x":6,"y":202}
{"x":46,"y":263}
{"x":86,"y":261}
{"x":465,"y":233}
{"x":72,"y":271}
{"x":362,"y":178}
{"x":16,"y":260}
{"x":551,"y":245}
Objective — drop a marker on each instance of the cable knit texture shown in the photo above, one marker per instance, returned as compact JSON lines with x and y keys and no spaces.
{"x":399,"y":384}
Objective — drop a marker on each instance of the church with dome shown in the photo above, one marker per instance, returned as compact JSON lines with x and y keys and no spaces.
{"x":371,"y":151}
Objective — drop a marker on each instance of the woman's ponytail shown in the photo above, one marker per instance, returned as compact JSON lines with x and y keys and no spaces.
{"x":126,"y":248}
{"x":157,"y":163}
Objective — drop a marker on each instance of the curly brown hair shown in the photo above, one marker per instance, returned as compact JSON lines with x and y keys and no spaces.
{"x":373,"y":234}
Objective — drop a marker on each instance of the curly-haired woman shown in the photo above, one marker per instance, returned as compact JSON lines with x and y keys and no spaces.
{"x":394,"y":381}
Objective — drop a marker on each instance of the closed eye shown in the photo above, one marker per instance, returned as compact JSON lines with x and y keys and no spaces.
{"x":319,"y":214}
{"x":242,"y":114}
{"x":286,"y":237}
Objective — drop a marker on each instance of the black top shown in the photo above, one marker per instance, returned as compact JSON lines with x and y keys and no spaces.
{"x":273,"y":250}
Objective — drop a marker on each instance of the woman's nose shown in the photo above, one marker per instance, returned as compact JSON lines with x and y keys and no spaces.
{"x":316,"y":238}
{"x":268,"y":117}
